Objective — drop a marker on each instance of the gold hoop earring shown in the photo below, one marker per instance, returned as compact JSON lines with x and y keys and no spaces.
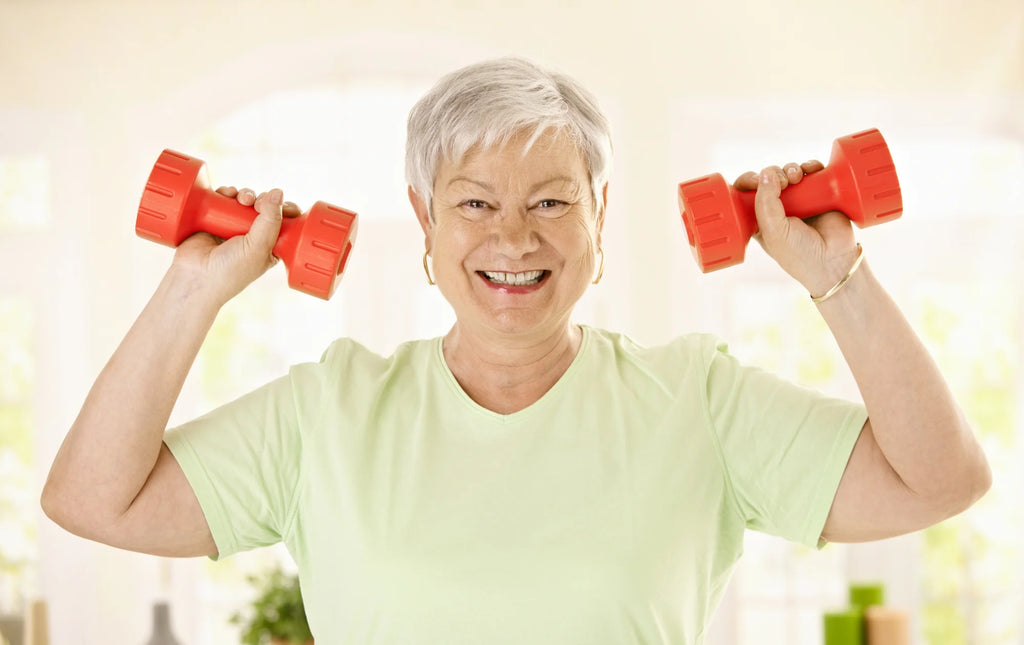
{"x":600,"y":269}
{"x":426,"y":269}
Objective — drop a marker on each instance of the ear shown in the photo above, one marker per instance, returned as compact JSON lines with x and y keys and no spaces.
{"x":422,"y":214}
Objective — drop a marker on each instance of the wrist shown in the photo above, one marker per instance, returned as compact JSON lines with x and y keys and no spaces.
{"x":192,"y":289}
{"x":819,"y":270}
{"x":842,"y":281}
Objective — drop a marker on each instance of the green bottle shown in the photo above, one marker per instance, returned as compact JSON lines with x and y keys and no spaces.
{"x":864,"y":595}
{"x":844,"y":627}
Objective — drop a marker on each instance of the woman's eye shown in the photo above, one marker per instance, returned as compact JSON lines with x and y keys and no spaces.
{"x":550,"y":203}
{"x":475,"y":203}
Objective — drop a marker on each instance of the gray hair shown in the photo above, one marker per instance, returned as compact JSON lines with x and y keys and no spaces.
{"x":488,"y":103}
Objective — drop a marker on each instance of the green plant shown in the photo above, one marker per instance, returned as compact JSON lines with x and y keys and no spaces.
{"x":277,"y":612}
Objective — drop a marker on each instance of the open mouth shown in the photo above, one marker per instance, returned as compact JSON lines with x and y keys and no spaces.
{"x":523,"y":279}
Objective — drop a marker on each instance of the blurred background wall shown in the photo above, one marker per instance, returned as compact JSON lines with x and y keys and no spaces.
{"x":311,"y":96}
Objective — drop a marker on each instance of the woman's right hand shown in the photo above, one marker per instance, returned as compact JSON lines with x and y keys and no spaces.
{"x":223,"y":268}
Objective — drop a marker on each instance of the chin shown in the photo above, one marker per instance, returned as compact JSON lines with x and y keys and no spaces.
{"x":526,"y":323}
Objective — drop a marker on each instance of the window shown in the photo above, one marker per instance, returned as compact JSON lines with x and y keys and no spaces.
{"x":24,"y":193}
{"x":24,"y":213}
{"x":17,"y":497}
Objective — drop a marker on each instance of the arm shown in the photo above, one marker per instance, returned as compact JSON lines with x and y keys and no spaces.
{"x":917,"y":461}
{"x":113,"y":480}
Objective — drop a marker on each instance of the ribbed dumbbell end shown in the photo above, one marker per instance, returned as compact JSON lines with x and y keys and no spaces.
{"x":875,"y":185}
{"x":323,"y":249}
{"x":714,"y":222}
{"x":165,"y":196}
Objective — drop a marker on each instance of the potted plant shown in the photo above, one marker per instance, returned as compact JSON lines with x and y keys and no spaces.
{"x":277,"y":615}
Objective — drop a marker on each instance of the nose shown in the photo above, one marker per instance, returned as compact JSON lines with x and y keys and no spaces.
{"x":514,"y":233}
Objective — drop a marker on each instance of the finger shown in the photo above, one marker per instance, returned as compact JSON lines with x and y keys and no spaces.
{"x":779,"y":173}
{"x":246,"y":197}
{"x":267,"y":225}
{"x":812,"y":166}
{"x":290,"y":209}
{"x":746,"y":181}
{"x":228,"y":191}
{"x":793,"y":172}
{"x":771,"y":215}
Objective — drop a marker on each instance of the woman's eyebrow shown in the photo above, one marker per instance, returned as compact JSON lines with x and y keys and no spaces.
{"x":564,"y":178}
{"x":483,"y":185}
{"x":540,"y":184}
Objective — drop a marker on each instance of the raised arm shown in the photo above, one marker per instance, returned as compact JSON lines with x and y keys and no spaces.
{"x":113,"y":479}
{"x":917,"y":461}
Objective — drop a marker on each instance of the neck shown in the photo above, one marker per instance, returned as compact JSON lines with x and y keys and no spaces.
{"x":507,"y":374}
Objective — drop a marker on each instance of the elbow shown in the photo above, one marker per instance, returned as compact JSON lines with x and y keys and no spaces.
{"x":73,"y":515}
{"x":978,"y":474}
{"x":982,"y":479}
{"x":51,"y":502}
{"x":67,"y":514}
{"x":56,"y":499}
{"x":965,"y":491}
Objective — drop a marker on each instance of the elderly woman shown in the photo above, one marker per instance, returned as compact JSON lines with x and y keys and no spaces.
{"x":523,"y":479}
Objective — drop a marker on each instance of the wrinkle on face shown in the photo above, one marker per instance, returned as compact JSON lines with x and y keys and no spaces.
{"x":506,"y":210}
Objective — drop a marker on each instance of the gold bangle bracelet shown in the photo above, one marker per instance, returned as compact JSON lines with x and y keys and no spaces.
{"x":839,"y":285}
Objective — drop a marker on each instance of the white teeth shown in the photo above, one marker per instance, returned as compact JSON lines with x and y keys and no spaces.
{"x":514,"y":279}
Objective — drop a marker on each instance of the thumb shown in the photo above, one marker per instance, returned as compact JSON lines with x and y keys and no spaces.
{"x":771,"y":215}
{"x":265,"y":228}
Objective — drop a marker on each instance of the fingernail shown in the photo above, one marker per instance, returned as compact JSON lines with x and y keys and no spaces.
{"x":765,"y":177}
{"x":276,"y":196}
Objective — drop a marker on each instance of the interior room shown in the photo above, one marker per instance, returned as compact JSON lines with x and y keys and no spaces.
{"x":313,"y":97}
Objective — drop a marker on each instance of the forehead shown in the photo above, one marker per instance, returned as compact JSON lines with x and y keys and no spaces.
{"x":552,"y":154}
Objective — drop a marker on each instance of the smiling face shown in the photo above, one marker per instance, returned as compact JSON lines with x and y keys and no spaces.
{"x":514,"y":236}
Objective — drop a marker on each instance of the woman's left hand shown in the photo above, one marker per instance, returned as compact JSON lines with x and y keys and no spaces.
{"x":817,"y":251}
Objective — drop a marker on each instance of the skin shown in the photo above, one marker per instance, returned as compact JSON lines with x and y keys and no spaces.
{"x":915,"y":463}
{"x":512,"y":212}
{"x":113,"y":480}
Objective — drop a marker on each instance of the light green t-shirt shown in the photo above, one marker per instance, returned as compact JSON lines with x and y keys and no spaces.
{"x":611,"y":511}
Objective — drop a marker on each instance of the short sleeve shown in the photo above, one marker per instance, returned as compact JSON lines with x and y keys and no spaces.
{"x":784,"y":447}
{"x":243,"y":459}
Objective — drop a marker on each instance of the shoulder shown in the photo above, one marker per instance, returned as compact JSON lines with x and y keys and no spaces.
{"x":349,"y":367}
{"x":682,"y":358}
{"x":348,"y":354}
{"x":685,"y":351}
{"x":350,"y":378}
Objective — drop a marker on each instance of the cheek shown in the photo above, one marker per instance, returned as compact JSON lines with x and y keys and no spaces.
{"x":585,"y":235}
{"x":454,"y":242}
{"x":577,"y":245}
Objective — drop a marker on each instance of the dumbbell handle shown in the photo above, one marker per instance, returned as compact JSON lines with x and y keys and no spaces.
{"x":817,"y":193}
{"x":224,"y":217}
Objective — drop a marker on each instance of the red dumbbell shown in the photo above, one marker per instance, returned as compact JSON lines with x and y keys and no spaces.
{"x":860,"y":181}
{"x":178,"y":202}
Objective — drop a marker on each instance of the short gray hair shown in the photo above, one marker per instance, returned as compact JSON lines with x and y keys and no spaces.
{"x":488,"y":103}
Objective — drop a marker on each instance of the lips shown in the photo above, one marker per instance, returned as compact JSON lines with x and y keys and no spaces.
{"x":521,"y":279}
{"x":521,"y":282}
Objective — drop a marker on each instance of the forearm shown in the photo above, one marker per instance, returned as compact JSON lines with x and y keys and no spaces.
{"x":112,"y":446}
{"x":915,"y":419}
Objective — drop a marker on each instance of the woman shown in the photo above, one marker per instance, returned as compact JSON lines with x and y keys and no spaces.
{"x":523,"y":479}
